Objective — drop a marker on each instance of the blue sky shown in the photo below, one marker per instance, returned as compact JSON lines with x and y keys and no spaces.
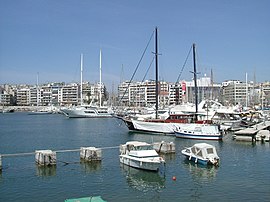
{"x":48,"y":36}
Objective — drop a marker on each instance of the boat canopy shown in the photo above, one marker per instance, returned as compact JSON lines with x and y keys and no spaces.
{"x":203,"y":150}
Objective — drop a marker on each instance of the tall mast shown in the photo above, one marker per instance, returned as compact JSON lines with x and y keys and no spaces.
{"x":100,"y":78}
{"x":212,"y":84}
{"x":246,"y":90}
{"x":37,"y":91}
{"x":156,"y":72}
{"x":81,"y":90}
{"x":195,"y":81}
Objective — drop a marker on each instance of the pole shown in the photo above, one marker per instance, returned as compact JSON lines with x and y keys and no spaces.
{"x":195,"y":81}
{"x":100,"y":78}
{"x":246,"y":90}
{"x":81,"y":91}
{"x":156,"y":73}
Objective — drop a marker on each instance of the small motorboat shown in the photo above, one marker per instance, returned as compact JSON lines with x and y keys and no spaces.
{"x":140,"y":155}
{"x":202,"y":153}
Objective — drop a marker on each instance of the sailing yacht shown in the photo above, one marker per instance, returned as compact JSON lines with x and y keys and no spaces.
{"x":175,"y":123}
{"x":88,"y":111}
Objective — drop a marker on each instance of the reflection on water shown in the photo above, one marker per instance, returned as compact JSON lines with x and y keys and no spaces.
{"x":143,"y":180}
{"x":90,"y":166}
{"x":46,"y":171}
{"x":201,"y":172}
{"x":168,"y":157}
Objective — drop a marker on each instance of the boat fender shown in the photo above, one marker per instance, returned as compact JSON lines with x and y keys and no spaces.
{"x":189,"y":158}
{"x":196,"y":160}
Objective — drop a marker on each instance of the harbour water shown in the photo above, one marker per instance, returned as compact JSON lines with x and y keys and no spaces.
{"x":243,"y":173}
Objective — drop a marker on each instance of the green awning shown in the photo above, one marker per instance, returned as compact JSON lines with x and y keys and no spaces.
{"x":86,"y":199}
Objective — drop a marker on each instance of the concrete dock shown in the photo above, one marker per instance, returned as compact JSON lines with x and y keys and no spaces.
{"x":249,"y":134}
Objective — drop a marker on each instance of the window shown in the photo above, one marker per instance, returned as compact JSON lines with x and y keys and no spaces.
{"x":210,"y":150}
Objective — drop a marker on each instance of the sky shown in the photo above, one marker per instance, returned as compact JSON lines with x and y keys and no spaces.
{"x":47,"y":37}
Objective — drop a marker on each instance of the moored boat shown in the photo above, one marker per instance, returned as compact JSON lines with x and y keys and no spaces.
{"x":199,"y":131}
{"x":202,"y":153}
{"x":140,"y":155}
{"x":87,"y":112}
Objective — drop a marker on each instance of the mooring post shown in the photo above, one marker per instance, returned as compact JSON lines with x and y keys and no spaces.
{"x":45,"y":157}
{"x":90,"y":154}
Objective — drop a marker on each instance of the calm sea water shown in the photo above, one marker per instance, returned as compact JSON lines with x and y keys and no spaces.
{"x":244,"y":172}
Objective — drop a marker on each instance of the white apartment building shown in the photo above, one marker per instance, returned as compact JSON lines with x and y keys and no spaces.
{"x":235,"y":92}
{"x":23,"y":96}
{"x":206,"y":89}
{"x":144,"y":93}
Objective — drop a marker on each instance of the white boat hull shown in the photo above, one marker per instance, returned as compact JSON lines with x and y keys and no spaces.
{"x":199,"y":131}
{"x":151,"y":127}
{"x":202,"y":153}
{"x":152,"y":164}
{"x":85,"y":113}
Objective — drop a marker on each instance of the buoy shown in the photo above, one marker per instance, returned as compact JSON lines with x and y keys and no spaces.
{"x":0,"y":163}
{"x":173,"y":178}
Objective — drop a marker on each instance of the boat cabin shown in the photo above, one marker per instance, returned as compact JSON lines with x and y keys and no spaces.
{"x":204,"y":150}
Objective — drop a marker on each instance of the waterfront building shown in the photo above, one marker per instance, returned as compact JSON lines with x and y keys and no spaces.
{"x":23,"y":96}
{"x":70,"y":94}
{"x":91,"y":93}
{"x":141,"y":94}
{"x":207,"y":90}
{"x":177,"y":92}
{"x":5,"y":99}
{"x":235,"y":92}
{"x":265,"y":94}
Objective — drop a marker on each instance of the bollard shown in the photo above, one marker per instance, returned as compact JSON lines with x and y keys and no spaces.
{"x":90,"y":154}
{"x":45,"y":157}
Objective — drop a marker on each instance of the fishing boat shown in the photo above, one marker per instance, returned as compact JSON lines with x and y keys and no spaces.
{"x":198,"y":131}
{"x":202,"y":153}
{"x":140,"y":155}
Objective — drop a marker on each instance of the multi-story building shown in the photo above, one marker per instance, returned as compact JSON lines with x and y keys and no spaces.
{"x":23,"y":96}
{"x":123,"y":93}
{"x":144,"y":93}
{"x":265,"y":94}
{"x":176,"y":93}
{"x":70,"y":94}
{"x":206,"y":89}
{"x":5,"y":99}
{"x":235,"y":92}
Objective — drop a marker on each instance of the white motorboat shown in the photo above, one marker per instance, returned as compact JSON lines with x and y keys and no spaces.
{"x":202,"y":153}
{"x":140,"y":155}
{"x":198,"y":131}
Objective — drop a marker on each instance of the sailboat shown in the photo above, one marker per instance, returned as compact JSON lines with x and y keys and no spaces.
{"x":195,"y":130}
{"x":154,"y":125}
{"x":88,"y":111}
{"x":180,"y":127}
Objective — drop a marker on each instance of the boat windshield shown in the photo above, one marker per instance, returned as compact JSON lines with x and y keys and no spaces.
{"x":145,"y":147}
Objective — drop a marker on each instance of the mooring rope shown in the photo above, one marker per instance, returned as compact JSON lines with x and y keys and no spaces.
{"x":57,"y":151}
